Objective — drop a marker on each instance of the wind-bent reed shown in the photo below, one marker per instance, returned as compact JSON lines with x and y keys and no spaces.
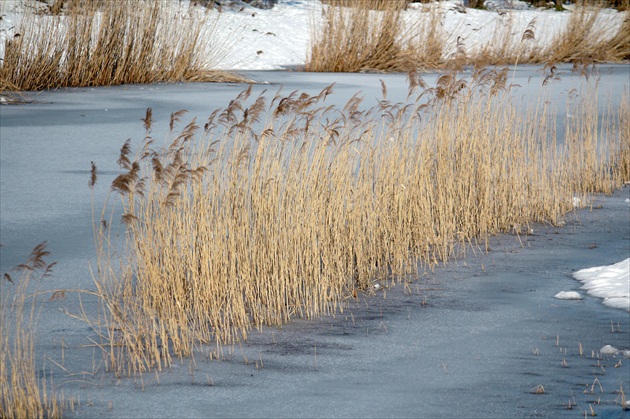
{"x":286,"y":207}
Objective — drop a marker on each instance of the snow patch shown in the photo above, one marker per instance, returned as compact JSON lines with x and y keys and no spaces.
{"x":568,"y":295}
{"x":611,"y":282}
{"x":609,"y":350}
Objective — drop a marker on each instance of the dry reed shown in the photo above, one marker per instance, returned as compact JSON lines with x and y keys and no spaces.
{"x":381,"y":5}
{"x":107,"y":43}
{"x":286,"y":207}
{"x":23,"y":392}
{"x":588,"y":37}
{"x":364,"y":37}
{"x":377,"y":38}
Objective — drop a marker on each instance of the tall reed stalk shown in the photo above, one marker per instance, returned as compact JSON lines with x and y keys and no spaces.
{"x":281,"y":207}
{"x":24,"y":393}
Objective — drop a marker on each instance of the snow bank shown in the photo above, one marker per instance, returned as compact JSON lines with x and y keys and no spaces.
{"x":612,"y":283}
{"x":280,"y":38}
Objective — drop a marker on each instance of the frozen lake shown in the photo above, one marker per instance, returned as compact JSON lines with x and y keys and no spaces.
{"x":471,"y":340}
{"x":47,"y":145}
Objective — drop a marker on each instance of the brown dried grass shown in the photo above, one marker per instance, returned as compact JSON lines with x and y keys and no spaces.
{"x":365,"y":37}
{"x":23,"y":392}
{"x":108,"y":43}
{"x":381,"y":5}
{"x":286,"y":208}
{"x":352,"y":39}
{"x":588,"y":38}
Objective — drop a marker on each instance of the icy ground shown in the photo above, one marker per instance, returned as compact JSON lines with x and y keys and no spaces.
{"x":475,"y":338}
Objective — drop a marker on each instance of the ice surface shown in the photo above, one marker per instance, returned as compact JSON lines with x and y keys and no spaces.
{"x":436,"y":348}
{"x":436,"y":351}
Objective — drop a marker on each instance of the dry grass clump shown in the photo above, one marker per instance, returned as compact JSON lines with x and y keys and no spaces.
{"x":426,"y":44}
{"x":98,"y":43}
{"x":382,"y":5}
{"x":588,"y":37}
{"x":621,"y":161}
{"x":505,"y":48}
{"x":375,"y":35}
{"x":360,"y":38}
{"x":23,"y":392}
{"x":618,"y":46}
{"x":285,"y":206}
{"x":586,"y":130}
{"x":10,"y":94}
{"x":352,"y":39}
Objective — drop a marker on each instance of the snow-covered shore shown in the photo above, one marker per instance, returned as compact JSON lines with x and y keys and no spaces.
{"x":279,"y":38}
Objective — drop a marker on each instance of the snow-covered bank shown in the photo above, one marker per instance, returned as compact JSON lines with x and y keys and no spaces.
{"x":280,"y":37}
{"x":611,"y":282}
